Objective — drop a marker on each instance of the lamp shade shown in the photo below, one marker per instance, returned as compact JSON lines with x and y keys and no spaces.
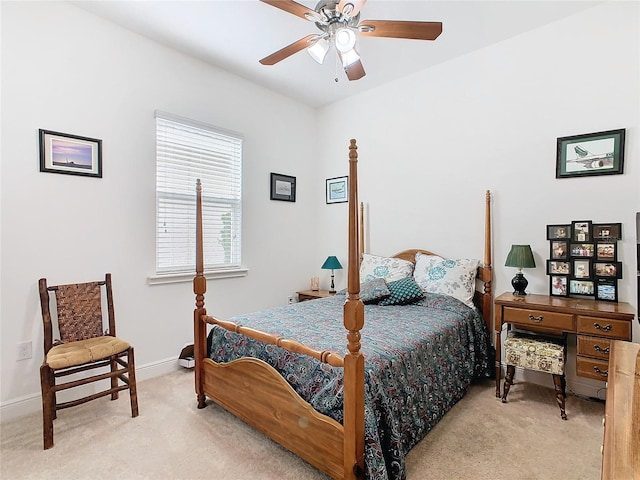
{"x":318,"y":50}
{"x":520,"y":256}
{"x":331,"y":263}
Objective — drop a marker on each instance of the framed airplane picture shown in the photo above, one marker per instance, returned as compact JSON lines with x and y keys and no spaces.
{"x":600,"y":153}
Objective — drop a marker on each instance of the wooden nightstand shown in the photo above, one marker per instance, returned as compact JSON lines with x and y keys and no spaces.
{"x":595,"y":323}
{"x":304,"y":295}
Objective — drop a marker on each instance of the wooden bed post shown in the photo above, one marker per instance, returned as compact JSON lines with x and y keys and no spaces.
{"x":487,"y":271}
{"x":362,"y":232}
{"x":199,"y":288}
{"x":353,"y":322}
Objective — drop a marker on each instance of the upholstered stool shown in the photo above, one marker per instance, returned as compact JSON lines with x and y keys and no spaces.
{"x":536,"y":352}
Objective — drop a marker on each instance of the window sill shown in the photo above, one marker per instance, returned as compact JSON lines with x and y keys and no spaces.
{"x":160,"y":279}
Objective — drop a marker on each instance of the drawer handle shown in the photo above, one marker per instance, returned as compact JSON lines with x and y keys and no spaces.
{"x":603,"y":373}
{"x":606,"y":328}
{"x":603,"y":350}
{"x":535,"y":319}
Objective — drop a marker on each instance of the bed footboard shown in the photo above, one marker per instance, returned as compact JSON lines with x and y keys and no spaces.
{"x":255,"y":392}
{"x":285,"y":417}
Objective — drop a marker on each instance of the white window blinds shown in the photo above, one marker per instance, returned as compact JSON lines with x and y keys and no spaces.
{"x":185,"y":151}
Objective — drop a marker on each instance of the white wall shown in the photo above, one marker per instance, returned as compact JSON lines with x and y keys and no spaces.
{"x":431,"y":144}
{"x":69,"y":71}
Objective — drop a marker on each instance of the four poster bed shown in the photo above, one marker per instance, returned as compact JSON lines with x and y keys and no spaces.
{"x":354,"y":415}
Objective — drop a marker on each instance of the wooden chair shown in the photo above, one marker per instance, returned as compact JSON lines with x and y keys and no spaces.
{"x":540,"y":353}
{"x":83,"y":345}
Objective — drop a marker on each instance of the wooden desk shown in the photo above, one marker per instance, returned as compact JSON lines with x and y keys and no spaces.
{"x":596,"y":323}
{"x":621,"y":448}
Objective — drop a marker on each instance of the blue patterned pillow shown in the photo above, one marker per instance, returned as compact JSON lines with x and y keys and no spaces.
{"x":389,"y":268}
{"x":372,"y":291}
{"x":403,"y":292}
{"x":453,"y":277}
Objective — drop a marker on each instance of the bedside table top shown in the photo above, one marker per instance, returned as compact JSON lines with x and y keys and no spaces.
{"x":315,"y":293}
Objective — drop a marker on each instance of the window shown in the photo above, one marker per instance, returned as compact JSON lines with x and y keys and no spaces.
{"x":185,"y":151}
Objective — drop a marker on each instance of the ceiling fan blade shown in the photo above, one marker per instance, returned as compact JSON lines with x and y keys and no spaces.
{"x":294,"y":7}
{"x":355,"y":71}
{"x":353,"y":7}
{"x":400,"y":29}
{"x":289,"y":50}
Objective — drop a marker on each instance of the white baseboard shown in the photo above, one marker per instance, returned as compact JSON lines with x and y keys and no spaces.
{"x":18,"y":407}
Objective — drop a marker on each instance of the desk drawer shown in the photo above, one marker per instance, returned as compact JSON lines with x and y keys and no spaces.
{"x":594,"y":346}
{"x":539,"y":319}
{"x":604,"y":327}
{"x":592,"y":368}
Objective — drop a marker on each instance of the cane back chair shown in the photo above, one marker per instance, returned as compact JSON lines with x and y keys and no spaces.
{"x":82,"y":345}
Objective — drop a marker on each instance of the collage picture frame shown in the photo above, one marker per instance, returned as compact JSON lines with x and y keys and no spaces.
{"x":583,"y":259}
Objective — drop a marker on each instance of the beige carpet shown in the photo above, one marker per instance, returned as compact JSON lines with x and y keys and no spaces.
{"x":481,"y":438}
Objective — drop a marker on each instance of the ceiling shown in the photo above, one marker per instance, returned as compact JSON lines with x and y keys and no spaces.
{"x":234,"y":35}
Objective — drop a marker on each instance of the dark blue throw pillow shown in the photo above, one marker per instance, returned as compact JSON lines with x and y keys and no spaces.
{"x":403,"y":292}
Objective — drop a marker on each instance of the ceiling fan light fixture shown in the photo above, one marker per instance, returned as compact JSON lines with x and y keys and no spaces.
{"x":318,"y":50}
{"x":340,"y":27}
{"x":349,"y":58}
{"x":345,"y":39}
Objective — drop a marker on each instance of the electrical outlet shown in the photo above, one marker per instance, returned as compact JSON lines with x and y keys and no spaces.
{"x":290,"y":299}
{"x":24,"y":350}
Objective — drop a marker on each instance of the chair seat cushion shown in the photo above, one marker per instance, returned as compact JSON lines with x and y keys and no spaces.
{"x":535,"y":352}
{"x":84,"y":351}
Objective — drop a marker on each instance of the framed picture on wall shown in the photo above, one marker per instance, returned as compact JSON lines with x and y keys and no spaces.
{"x":607,"y":269}
{"x":558,"y":232}
{"x":607,"y":289}
{"x":582,"y":268}
{"x":559,"y":250}
{"x":600,"y":153}
{"x":556,"y":267}
{"x":607,"y":231}
{"x":583,"y":259}
{"x":581,"y":231}
{"x":581,"y":287}
{"x":70,"y":154}
{"x":558,"y":286}
{"x":337,"y":190}
{"x":582,"y":250}
{"x":283,"y":187}
{"x":606,"y":251}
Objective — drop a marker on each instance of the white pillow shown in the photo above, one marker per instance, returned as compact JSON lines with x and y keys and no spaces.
{"x":391,"y":269}
{"x":455,"y":278}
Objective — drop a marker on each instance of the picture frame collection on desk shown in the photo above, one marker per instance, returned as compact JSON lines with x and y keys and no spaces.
{"x":583,"y":259}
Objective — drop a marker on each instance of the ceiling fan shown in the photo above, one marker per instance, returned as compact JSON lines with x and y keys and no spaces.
{"x":339,"y":23}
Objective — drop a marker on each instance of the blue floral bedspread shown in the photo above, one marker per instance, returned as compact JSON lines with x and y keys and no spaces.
{"x":419,"y":361}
